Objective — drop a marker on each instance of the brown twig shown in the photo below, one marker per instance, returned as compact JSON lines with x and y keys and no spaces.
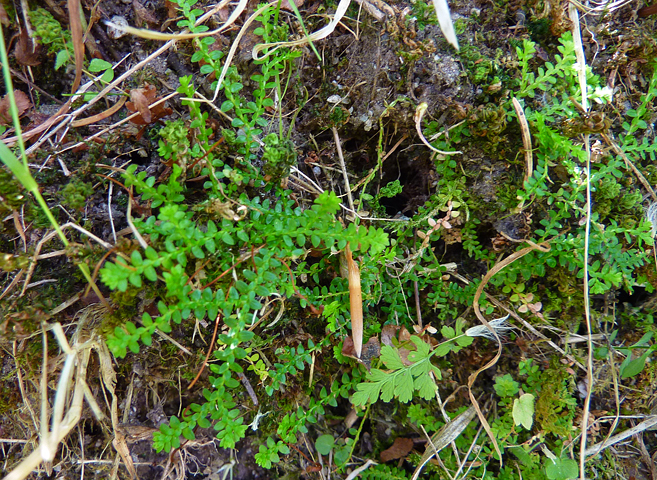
{"x":249,"y":388}
{"x":207,"y":356}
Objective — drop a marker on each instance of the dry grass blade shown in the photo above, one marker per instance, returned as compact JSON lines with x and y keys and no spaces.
{"x":100,"y":116}
{"x":419,"y":114}
{"x":71,"y":391}
{"x":444,"y":437}
{"x":155,"y":35}
{"x":78,"y":45}
{"x":579,"y":54}
{"x":526,"y":138}
{"x":649,"y":423}
{"x":445,"y":20}
{"x":581,"y":60}
{"x":355,"y":302}
{"x":313,"y":37}
{"x":544,"y":247}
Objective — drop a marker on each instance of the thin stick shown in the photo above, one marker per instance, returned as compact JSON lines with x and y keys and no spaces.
{"x":21,"y":386}
{"x":135,"y":232}
{"x":619,"y":151}
{"x":650,"y":421}
{"x":109,"y":209}
{"x":338,"y":146}
{"x":581,"y":59}
{"x":417,"y":305}
{"x":207,"y":356}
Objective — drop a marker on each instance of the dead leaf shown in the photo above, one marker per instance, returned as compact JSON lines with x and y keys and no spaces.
{"x":286,"y":5}
{"x":388,"y":332}
{"x":399,"y":449}
{"x":4,"y":18}
{"x":142,"y":99}
{"x":22,"y":105}
{"x":404,"y":335}
{"x":372,"y":349}
{"x":27,"y":51}
{"x":143,"y":15}
{"x":172,"y":9}
{"x":139,"y":100}
{"x":75,"y":27}
{"x":348,"y":348}
{"x":100,"y":116}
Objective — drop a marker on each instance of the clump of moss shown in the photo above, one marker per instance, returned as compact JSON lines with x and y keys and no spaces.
{"x":76,"y":193}
{"x":12,"y":196}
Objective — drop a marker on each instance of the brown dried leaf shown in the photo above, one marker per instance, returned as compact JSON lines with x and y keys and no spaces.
{"x":172,"y":9}
{"x":75,"y":26}
{"x":403,"y":354}
{"x":140,"y":102}
{"x":143,"y":15}
{"x":388,"y":332}
{"x":22,"y":105}
{"x":404,"y":335}
{"x":286,"y":5}
{"x":142,"y":98}
{"x":372,"y":349}
{"x":4,"y":18}
{"x":399,"y":449}
{"x":27,"y":51}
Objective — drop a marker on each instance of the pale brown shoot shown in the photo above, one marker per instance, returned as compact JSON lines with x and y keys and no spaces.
{"x":355,"y":302}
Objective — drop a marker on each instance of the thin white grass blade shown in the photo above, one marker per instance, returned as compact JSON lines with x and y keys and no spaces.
{"x":445,"y":20}
{"x":313,"y":37}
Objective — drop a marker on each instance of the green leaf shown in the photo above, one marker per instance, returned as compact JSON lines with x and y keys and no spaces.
{"x":634,"y":367}
{"x":506,"y":386}
{"x":62,"y":57}
{"x":561,"y":469}
{"x":425,"y":386}
{"x":448,"y":332}
{"x":99,"y":65}
{"x":423,"y":348}
{"x":227,"y":239}
{"x":404,"y":386}
{"x":391,"y":358}
{"x":150,"y":273}
{"x":136,"y":258}
{"x":135,"y":279}
{"x":523,"y":410}
{"x":324,"y":444}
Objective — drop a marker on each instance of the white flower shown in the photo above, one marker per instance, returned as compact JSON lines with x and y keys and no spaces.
{"x":602,"y":95}
{"x":578,"y":67}
{"x":500,"y":325}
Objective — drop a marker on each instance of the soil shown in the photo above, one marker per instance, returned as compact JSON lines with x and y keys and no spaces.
{"x":371,"y":75}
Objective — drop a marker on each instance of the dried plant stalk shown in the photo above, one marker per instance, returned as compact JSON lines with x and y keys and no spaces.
{"x":355,"y":302}
{"x":526,"y":138}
